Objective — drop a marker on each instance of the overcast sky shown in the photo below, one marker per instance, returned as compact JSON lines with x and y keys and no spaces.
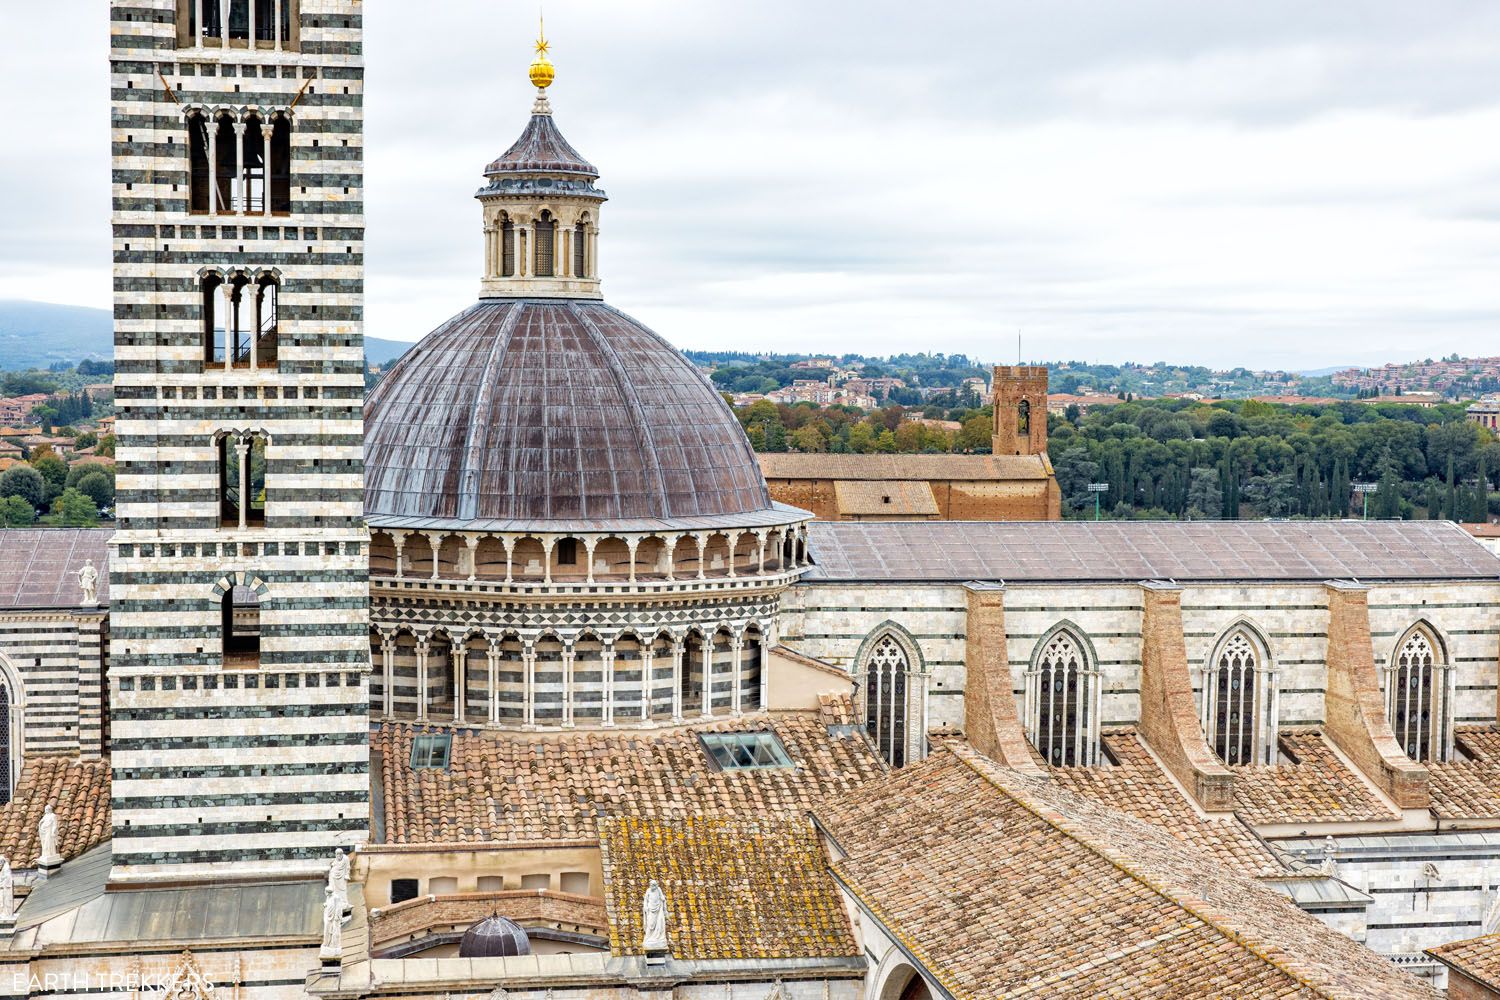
{"x":1258,"y":182}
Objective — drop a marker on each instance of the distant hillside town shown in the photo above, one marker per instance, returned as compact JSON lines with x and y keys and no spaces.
{"x":1452,"y":377}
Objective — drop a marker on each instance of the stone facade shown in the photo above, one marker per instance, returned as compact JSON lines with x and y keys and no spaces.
{"x":206,"y":783}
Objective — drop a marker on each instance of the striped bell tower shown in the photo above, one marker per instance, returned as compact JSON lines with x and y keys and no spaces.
{"x":240,"y":651}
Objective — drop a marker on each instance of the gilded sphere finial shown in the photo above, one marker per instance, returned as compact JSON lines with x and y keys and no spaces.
{"x":542,"y":71}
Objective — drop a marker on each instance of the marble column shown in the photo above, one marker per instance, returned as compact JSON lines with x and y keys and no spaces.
{"x":607,"y":668}
{"x":422,"y":678}
{"x":567,"y":678}
{"x":388,"y":672}
{"x":239,"y":191}
{"x":677,"y":653}
{"x":708,"y":676}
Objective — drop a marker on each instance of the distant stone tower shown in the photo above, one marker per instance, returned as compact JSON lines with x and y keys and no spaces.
{"x":239,"y":660}
{"x":1020,"y":396}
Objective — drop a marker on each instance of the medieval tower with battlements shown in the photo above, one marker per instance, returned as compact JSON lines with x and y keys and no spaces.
{"x":238,"y":685}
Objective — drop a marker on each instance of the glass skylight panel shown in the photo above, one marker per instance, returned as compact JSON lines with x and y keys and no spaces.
{"x":745,"y":751}
{"x":431,"y":750}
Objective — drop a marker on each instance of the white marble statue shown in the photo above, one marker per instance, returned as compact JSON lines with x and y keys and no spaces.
{"x":338,"y":879}
{"x":654,"y":919}
{"x":333,"y":927}
{"x":7,"y":893}
{"x":47,"y":833}
{"x":88,"y":582}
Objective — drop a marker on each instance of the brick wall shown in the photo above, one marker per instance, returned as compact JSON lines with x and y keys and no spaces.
{"x":1355,"y":707}
{"x":1169,"y":716}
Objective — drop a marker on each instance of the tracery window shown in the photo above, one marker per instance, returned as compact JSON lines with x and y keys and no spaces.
{"x":6,"y":764}
{"x":885,"y":699}
{"x":1419,"y":697}
{"x":1239,"y":701}
{"x":1062,"y":703}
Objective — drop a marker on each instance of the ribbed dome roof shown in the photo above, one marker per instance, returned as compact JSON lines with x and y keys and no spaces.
{"x":553,"y":410}
{"x":494,"y":937}
{"x":541,"y":149}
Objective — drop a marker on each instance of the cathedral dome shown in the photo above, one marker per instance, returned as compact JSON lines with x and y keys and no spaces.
{"x":555,"y":410}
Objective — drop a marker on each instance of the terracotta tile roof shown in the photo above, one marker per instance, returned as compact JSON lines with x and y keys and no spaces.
{"x":1478,"y":958}
{"x":79,"y":792}
{"x":746,"y":889}
{"x":1468,"y":789}
{"x":1002,"y":884}
{"x":837,"y":710}
{"x":1318,"y":788}
{"x":887,"y":497}
{"x":1139,"y":787}
{"x":525,"y":786}
{"x":1146,"y":550}
{"x":800,"y":465}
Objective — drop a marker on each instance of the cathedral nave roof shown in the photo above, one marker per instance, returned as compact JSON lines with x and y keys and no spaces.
{"x":1129,"y":551}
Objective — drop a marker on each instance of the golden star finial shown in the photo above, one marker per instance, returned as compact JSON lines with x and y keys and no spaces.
{"x":542,"y":71}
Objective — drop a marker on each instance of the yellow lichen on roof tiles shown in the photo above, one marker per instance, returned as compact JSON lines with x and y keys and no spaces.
{"x":988,"y":876}
{"x":1138,"y":786}
{"x":78,"y":791}
{"x":523,"y":786}
{"x":1468,"y":789}
{"x":1315,"y":787}
{"x":735,"y":888}
{"x":1478,"y":958}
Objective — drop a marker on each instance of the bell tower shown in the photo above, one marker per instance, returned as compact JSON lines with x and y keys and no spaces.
{"x":238,"y":671}
{"x":1020,"y":397}
{"x":541,"y":209}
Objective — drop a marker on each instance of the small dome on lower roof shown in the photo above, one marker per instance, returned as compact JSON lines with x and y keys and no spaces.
{"x":555,"y":410}
{"x":494,"y":937}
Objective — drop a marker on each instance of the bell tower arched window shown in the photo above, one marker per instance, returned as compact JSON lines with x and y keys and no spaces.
{"x":546,"y":243}
{"x":240,"y":609}
{"x":885,"y":682}
{"x":1240,"y":701}
{"x":217,"y":23}
{"x":1062,"y":702}
{"x":1419,"y":696}
{"x":198,"y":164}
{"x":580,"y":251}
{"x":280,"y":169}
{"x":241,"y":328}
{"x":1023,"y":417}
{"x":242,"y":480}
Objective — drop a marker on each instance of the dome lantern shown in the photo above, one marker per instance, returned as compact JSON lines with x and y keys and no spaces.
{"x":541,"y":208}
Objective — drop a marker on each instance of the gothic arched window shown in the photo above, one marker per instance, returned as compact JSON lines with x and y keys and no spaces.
{"x":1062,"y":702}
{"x":1239,"y":701}
{"x":885,"y":699}
{"x":1023,"y":417}
{"x":1418,"y":697}
{"x":7,"y":767}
